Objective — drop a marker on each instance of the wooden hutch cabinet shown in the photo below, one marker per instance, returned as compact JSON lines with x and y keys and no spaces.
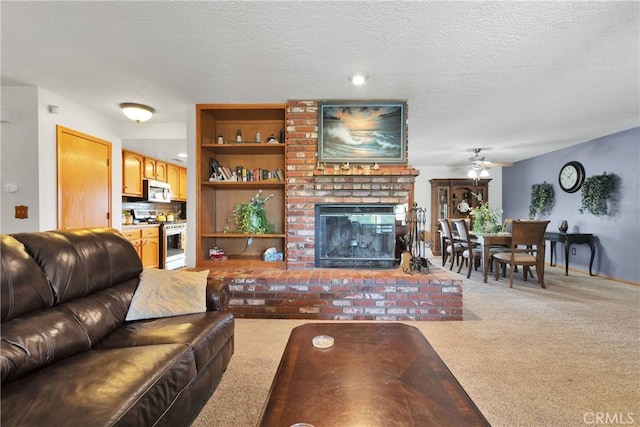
{"x":454,"y":198}
{"x":255,"y":162}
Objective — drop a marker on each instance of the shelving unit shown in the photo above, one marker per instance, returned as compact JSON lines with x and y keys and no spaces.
{"x":216,"y":199}
{"x":447,"y":194}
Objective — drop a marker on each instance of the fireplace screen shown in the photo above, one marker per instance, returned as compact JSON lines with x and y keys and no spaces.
{"x":355,"y":236}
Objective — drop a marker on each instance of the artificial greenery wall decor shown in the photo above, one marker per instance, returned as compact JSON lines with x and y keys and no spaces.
{"x":541,"y":199}
{"x":597,"y":189}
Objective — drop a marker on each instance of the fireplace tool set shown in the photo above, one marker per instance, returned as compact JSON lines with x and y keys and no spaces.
{"x":418,"y":242}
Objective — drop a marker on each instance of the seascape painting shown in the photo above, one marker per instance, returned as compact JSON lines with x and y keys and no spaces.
{"x":361,"y":132}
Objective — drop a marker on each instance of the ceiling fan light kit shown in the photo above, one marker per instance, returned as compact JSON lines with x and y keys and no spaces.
{"x":478,"y":168}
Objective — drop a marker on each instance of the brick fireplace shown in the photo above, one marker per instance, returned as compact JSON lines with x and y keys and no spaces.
{"x":310,"y":185}
{"x":304,"y":291}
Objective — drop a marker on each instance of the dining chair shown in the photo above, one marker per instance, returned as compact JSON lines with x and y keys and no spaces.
{"x":471,"y":250}
{"x":450,"y":245}
{"x":527,"y":249}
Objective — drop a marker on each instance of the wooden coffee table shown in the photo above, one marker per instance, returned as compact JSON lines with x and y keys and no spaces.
{"x":375,"y":374}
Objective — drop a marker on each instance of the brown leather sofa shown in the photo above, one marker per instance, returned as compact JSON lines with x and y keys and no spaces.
{"x":68,"y":358}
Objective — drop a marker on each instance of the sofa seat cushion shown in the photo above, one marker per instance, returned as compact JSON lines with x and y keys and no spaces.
{"x":120,"y":386}
{"x":206,"y":333}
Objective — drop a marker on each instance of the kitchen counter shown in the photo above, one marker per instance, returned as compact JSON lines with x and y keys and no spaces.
{"x":138,"y":226}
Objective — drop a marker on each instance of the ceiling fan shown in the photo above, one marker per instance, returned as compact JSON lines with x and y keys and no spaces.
{"x":479,"y":167}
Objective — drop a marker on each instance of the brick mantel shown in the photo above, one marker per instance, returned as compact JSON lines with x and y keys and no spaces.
{"x":307,"y":184}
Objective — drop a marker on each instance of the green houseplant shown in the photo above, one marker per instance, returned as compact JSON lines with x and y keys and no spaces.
{"x":251,"y":217}
{"x":485,"y":219}
{"x":597,"y":189}
{"x":541,"y":199}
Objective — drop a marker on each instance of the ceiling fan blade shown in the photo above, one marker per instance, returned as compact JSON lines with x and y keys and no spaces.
{"x":489,"y":164}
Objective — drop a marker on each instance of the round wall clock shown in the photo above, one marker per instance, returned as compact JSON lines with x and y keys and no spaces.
{"x":571,"y":177}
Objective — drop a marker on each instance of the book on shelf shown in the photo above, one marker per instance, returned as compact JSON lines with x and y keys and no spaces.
{"x":242,"y":174}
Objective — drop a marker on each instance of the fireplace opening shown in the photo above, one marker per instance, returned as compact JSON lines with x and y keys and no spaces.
{"x":355,"y":236}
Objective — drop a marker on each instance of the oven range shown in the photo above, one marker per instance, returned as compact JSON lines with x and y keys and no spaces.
{"x":173,"y":238}
{"x":174,"y":241}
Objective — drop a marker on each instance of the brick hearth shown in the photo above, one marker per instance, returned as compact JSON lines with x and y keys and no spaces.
{"x":339,"y":294}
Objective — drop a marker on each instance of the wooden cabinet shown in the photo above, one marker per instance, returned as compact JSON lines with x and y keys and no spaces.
{"x":155,"y":169}
{"x":146,"y":241}
{"x":183,"y":183}
{"x":216,"y":199}
{"x":177,"y":179}
{"x":132,"y":166}
{"x":136,"y":167}
{"x":454,"y":198}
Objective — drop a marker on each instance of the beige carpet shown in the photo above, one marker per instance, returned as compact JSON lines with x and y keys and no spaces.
{"x":527,"y":356}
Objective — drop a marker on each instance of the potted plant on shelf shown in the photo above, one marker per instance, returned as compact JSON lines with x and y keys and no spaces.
{"x":251,"y":217}
{"x":597,"y":189}
{"x":541,"y":199}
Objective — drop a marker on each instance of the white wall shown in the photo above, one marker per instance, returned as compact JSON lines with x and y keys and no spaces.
{"x":19,"y":158}
{"x":191,"y":185}
{"x":29,"y":154}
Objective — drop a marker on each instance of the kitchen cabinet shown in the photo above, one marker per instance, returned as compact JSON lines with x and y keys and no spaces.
{"x":454,"y":198}
{"x":261,"y":166}
{"x":132,"y":166}
{"x":146,"y":241}
{"x":183,"y":183}
{"x":155,"y":169}
{"x":177,"y":179}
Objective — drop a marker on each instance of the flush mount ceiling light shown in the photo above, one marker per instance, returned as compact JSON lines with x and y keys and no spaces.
{"x":358,"y":79}
{"x":137,"y":112}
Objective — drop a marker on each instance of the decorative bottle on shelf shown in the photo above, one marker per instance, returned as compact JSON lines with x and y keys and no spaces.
{"x":258,"y":137}
{"x":239,"y":136}
{"x":220,"y":139}
{"x":563,"y":226}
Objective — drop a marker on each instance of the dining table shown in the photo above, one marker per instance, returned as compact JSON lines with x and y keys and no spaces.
{"x":486,"y":240}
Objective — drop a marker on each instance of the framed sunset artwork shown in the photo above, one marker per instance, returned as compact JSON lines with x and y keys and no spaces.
{"x":362,"y":132}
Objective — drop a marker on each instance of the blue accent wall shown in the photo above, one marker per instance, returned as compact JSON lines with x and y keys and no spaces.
{"x":618,"y":233}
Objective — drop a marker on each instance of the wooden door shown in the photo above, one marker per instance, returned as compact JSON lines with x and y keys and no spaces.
{"x":149,"y":168}
{"x":173,"y":178}
{"x":183,"y":183}
{"x":84,"y":180}
{"x":132,"y":164}
{"x":161,"y":171}
{"x":150,"y":247}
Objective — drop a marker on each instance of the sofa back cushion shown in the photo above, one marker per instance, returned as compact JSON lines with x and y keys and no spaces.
{"x":23,"y":285}
{"x":92,"y":273}
{"x":83,"y":261}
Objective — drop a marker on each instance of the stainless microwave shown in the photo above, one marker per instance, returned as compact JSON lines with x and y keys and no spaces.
{"x":156,"y":191}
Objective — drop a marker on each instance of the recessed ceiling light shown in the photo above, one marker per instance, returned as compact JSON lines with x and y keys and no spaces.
{"x":183,"y":155}
{"x":358,"y":79}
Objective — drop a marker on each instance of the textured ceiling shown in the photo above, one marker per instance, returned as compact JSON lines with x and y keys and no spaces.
{"x":515,"y":78}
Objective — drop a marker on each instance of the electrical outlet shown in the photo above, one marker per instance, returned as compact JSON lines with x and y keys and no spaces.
{"x":573,"y":251}
{"x":22,"y":212}
{"x":249,"y":241}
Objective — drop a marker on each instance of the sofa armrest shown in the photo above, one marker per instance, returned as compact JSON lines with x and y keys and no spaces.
{"x":218,"y":294}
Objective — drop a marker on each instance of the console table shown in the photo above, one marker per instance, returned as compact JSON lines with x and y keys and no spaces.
{"x":568,"y":239}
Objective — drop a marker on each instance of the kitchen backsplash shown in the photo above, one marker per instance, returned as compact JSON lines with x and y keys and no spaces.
{"x":179,"y":209}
